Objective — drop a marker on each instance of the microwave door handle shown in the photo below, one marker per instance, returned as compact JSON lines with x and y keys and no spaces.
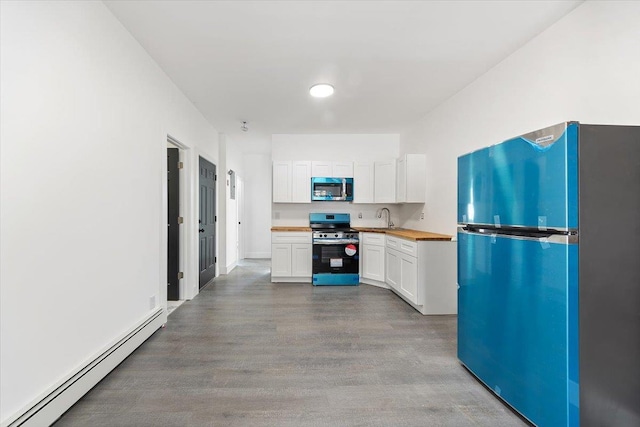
{"x":344,"y":187}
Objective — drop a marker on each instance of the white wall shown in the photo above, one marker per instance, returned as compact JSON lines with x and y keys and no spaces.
{"x":345,"y":147}
{"x":233,"y":162}
{"x":297,"y":214}
{"x":586,"y":67}
{"x":339,"y":147}
{"x":257,"y":202}
{"x":85,"y":115}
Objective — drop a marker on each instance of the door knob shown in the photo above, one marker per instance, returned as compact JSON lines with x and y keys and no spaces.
{"x":201,"y":230}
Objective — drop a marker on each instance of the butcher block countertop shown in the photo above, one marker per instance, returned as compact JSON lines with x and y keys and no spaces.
{"x":282,"y":228}
{"x":406,"y":233}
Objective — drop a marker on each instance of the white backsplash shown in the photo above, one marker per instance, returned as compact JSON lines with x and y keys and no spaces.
{"x":297,"y":214}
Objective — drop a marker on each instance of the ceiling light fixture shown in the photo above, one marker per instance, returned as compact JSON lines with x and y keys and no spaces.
{"x":321,"y":90}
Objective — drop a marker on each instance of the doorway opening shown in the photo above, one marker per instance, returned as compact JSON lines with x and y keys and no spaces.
{"x":240,"y":216}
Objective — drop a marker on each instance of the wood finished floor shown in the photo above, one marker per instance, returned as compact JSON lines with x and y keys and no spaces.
{"x":247,"y":352}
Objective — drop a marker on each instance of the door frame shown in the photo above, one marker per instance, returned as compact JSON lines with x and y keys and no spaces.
{"x":189,"y":204}
{"x":180,"y":248}
{"x":185,"y":200}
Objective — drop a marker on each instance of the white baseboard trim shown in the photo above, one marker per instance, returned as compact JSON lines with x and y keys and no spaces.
{"x":229,"y":268}
{"x":258,"y":255}
{"x":45,"y":410}
{"x":374,"y":283}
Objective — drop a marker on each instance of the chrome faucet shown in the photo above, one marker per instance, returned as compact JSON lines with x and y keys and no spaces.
{"x":389,"y":222}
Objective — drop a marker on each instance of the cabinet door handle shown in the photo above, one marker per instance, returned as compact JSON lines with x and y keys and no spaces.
{"x":201,"y":230}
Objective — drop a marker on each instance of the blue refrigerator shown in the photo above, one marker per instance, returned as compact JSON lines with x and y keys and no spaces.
{"x":549,"y":273}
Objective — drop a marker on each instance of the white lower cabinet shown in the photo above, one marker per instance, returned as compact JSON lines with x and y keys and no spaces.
{"x":372,"y":250}
{"x":301,"y":257}
{"x":423,"y":273}
{"x":281,"y":260}
{"x":373,"y":263}
{"x":393,"y":268}
{"x":291,"y":256}
{"x":409,"y":277}
{"x":402,"y":274}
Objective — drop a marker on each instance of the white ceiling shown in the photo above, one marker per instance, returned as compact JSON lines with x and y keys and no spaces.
{"x":391,"y":62}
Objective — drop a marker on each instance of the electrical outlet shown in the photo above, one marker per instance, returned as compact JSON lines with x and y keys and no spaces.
{"x":422,"y":215}
{"x":360,"y":215}
{"x":152,"y":302}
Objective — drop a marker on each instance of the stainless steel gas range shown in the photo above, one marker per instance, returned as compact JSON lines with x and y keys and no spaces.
{"x":336,"y":250}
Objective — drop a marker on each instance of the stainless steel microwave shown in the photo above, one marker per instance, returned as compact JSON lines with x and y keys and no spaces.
{"x":332,"y":189}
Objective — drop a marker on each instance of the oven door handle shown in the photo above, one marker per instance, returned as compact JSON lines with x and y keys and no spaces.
{"x":335,"y":242}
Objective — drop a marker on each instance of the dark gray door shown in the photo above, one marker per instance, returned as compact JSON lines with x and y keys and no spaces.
{"x":207,"y":222}
{"x":173,"y":232}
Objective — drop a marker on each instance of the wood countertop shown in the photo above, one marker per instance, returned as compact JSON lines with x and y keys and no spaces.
{"x":406,"y":233}
{"x":282,"y":228}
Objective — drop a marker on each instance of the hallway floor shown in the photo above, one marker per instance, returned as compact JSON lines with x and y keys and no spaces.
{"x":247,"y":352}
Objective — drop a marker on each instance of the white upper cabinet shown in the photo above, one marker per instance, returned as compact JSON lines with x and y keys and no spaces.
{"x":281,"y":182}
{"x":384,"y":181}
{"x":363,"y":180}
{"x":332,"y":169}
{"x":400,"y":180}
{"x":301,"y":182}
{"x":321,"y":169}
{"x":411,"y":178}
{"x":292,"y":182}
{"x":342,"y":169}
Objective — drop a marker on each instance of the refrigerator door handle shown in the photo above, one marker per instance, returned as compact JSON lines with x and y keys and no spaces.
{"x":569,"y":238}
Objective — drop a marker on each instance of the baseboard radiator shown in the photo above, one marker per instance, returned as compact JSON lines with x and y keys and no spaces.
{"x":47,"y":410}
